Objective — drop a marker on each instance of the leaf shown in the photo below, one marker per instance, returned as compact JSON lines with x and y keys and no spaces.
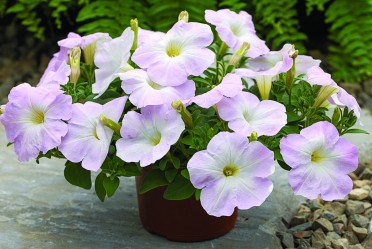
{"x":111,"y":185}
{"x":155,"y":178}
{"x":131,"y":170}
{"x":179,"y":189}
{"x":170,"y":174}
{"x":197,"y":194}
{"x":185,"y":173}
{"x":356,"y":131}
{"x":163,"y":163}
{"x":176,"y":162}
{"x":77,"y":175}
{"x":98,"y":186}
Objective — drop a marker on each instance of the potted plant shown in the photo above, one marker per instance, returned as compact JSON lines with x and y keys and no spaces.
{"x":199,"y":118}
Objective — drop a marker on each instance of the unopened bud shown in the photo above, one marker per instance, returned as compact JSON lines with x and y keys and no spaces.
{"x":110,"y":124}
{"x":290,"y":75}
{"x":324,"y":93}
{"x":185,"y":114}
{"x":336,"y":115}
{"x":74,"y":61}
{"x":134,"y":27}
{"x":2,"y":109}
{"x":239,"y":54}
{"x":184,"y":15}
{"x":253,"y":136}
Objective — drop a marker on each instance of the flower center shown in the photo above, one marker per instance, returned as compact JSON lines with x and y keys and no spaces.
{"x":316,"y":157}
{"x":230,"y":170}
{"x":37,"y":117}
{"x":246,"y":116}
{"x":155,"y":140}
{"x":173,"y":49}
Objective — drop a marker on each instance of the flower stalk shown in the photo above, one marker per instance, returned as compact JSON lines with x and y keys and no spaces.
{"x":110,"y":124}
{"x":185,"y":114}
{"x":239,"y":54}
{"x":134,"y":27}
{"x":74,"y":61}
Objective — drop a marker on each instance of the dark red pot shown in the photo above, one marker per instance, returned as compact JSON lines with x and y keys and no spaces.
{"x":183,"y":220}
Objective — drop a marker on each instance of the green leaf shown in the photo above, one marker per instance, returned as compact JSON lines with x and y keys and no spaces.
{"x":185,"y":173}
{"x":163,"y":163}
{"x":155,"y":178}
{"x":197,"y":194}
{"x":284,"y":165}
{"x":291,"y":129}
{"x":77,"y":175}
{"x":356,"y":131}
{"x":176,"y":162}
{"x":179,"y":189}
{"x":98,"y":186}
{"x":170,"y":174}
{"x":111,"y":185}
{"x":131,"y":170}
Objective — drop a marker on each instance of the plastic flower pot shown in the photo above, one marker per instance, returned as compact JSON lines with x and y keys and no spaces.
{"x":183,"y":220}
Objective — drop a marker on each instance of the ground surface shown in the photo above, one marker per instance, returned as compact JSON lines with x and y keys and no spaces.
{"x":39,"y":209}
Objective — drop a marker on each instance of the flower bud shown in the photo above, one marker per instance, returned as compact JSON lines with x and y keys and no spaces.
{"x":2,"y":109}
{"x":336,"y":115}
{"x":89,"y":52}
{"x":292,"y":71}
{"x":239,"y":54}
{"x":253,"y":136}
{"x":184,"y":15}
{"x":324,"y":93}
{"x":110,"y":124}
{"x":74,"y":61}
{"x":185,"y":114}
{"x":134,"y":27}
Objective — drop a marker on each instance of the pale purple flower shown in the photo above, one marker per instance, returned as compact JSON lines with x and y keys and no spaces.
{"x":88,"y":140}
{"x":320,"y":160}
{"x":265,"y":68}
{"x":230,"y":86}
{"x":148,"y":36}
{"x":56,"y":74}
{"x":234,"y":29}
{"x":148,"y":136}
{"x":316,"y":76}
{"x":72,"y":40}
{"x":246,"y":113}
{"x":343,"y":99}
{"x":181,"y":52}
{"x":110,"y":58}
{"x":143,"y":91}
{"x":231,"y":173}
{"x":33,"y":119}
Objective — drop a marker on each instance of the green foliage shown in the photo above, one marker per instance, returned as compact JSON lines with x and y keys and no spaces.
{"x":351,"y":35}
{"x":77,"y":175}
{"x":279,"y":23}
{"x":319,"y":5}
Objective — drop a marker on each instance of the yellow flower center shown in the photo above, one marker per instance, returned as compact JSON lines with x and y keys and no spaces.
{"x":37,"y":117}
{"x":173,"y":49}
{"x":246,"y":116}
{"x":316,"y":156}
{"x":156,"y":139}
{"x":230,"y":170}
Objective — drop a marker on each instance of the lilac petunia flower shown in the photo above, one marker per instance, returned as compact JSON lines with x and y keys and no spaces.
{"x":264,"y":68}
{"x":231,"y":173}
{"x":148,"y":36}
{"x":343,"y":99}
{"x":33,"y":119}
{"x":56,"y":74}
{"x":320,"y":162}
{"x":181,"y":52}
{"x":148,"y":136}
{"x":110,"y":58}
{"x":245,"y":114}
{"x":234,"y":29}
{"x":230,"y":86}
{"x":144,"y":92}
{"x":88,"y":140}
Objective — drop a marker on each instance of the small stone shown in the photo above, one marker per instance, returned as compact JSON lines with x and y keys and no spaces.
{"x":319,"y":239}
{"x":357,"y":246}
{"x":368,"y":214}
{"x":366,"y":174}
{"x":297,"y":220}
{"x":331,"y":236}
{"x":303,"y":244}
{"x":360,"y":183}
{"x":339,"y":228}
{"x":324,"y":224}
{"x":367,"y":243}
{"x":367,"y":205}
{"x":354,"y":207}
{"x":367,"y":187}
{"x":341,"y":219}
{"x":286,"y":239}
{"x":336,"y":207}
{"x":303,"y":227}
{"x":340,"y":244}
{"x":359,"y":220}
{"x":303,"y":210}
{"x":316,"y":204}
{"x":360,"y":232}
{"x":358,"y":194}
{"x":328,"y":215}
{"x":302,"y":234}
{"x":353,"y":176}
{"x":316,"y":214}
{"x":351,"y":237}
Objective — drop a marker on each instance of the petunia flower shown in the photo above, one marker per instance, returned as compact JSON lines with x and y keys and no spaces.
{"x":230,"y":86}
{"x":265,"y":68}
{"x":181,"y":52}
{"x":320,"y":160}
{"x":234,"y":29}
{"x":88,"y":140}
{"x":148,"y":36}
{"x":56,"y":74}
{"x":343,"y":99}
{"x":148,"y":136}
{"x":246,"y":113}
{"x":143,"y":91}
{"x":33,"y":119}
{"x":231,"y":173}
{"x":110,"y":58}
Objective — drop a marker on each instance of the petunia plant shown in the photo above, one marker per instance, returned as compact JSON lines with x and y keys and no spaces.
{"x":203,"y":110}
